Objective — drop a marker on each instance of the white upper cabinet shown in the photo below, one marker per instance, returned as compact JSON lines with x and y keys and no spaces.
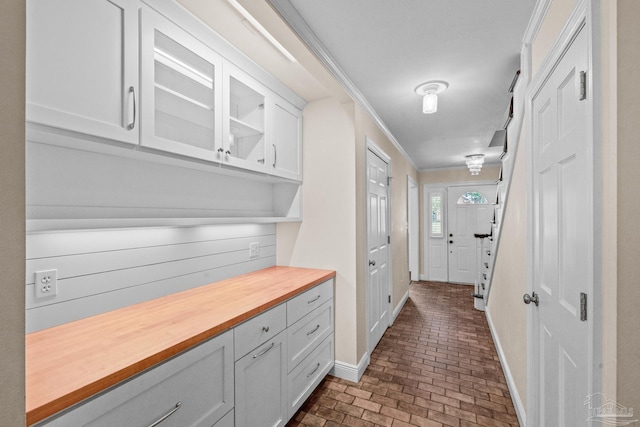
{"x":244,"y":121}
{"x":285,"y":139}
{"x":82,"y":66}
{"x":181,"y":86}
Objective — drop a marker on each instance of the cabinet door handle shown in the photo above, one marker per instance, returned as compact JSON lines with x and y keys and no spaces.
{"x":314,"y":329}
{"x":275,"y":155}
{"x":263,"y":352}
{"x":314,"y":370}
{"x":167,"y":415}
{"x":131,"y":125}
{"x":265,"y":329}
{"x":313,"y":300}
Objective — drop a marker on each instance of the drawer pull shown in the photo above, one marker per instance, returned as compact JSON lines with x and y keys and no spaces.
{"x":313,"y":300}
{"x":314,"y":370}
{"x":314,"y":329}
{"x":167,"y":415}
{"x":265,"y":329}
{"x":255,"y":356}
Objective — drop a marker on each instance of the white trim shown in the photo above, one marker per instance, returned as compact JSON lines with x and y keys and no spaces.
{"x":290,"y":15}
{"x":423,"y":277}
{"x":536,"y":20}
{"x":513,"y":390}
{"x":350,"y":372}
{"x":400,"y":306}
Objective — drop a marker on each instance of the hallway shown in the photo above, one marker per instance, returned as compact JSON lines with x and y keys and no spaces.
{"x":436,"y":366}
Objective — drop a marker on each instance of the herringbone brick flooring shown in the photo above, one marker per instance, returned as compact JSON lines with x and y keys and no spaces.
{"x":436,"y":366}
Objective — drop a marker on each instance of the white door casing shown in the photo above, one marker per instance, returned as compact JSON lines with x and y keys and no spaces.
{"x":562,"y":242}
{"x":378,"y":266}
{"x":413,"y":226}
{"x":463,"y":221}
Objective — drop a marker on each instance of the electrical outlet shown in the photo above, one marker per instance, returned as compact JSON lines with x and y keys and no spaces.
{"x":46,"y":283}
{"x":254,"y":249}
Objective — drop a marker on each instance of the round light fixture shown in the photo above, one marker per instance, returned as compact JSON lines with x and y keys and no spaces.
{"x":430,"y":91}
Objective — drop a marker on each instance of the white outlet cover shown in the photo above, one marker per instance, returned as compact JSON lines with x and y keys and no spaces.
{"x":254,"y":249}
{"x":46,"y":283}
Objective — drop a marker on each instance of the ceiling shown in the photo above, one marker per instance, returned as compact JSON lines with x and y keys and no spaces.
{"x":387,"y":48}
{"x":383,"y":49}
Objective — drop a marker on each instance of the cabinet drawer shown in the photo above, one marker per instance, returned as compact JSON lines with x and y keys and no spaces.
{"x":259,"y":329}
{"x":306,"y":377}
{"x":308,"y":301}
{"x":201,"y":379}
{"x":304,"y":336}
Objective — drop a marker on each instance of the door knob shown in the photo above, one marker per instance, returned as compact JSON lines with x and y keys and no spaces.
{"x":372,"y":262}
{"x":533,"y":298}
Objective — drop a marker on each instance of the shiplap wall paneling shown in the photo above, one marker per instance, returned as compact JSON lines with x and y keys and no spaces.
{"x":102,"y":270}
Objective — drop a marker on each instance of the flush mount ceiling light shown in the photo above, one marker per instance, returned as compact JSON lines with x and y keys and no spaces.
{"x":430,"y":91}
{"x":474,"y":163}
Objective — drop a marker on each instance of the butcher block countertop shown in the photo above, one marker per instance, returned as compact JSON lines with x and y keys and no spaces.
{"x":71,"y":362}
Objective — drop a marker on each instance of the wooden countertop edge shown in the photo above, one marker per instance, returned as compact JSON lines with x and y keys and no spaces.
{"x":43,"y":411}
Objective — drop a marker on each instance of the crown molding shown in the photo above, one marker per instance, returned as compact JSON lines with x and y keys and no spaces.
{"x":296,"y":22}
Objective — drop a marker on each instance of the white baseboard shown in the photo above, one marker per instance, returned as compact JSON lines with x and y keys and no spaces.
{"x":398,"y":308}
{"x":515,"y":396}
{"x":350,"y":372}
{"x":423,"y":277}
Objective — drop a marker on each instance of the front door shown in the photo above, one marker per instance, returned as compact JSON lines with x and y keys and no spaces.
{"x":562,"y":247}
{"x":469,"y":212}
{"x":378,"y":289}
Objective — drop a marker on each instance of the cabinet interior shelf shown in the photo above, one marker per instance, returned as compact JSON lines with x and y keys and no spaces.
{"x":242,"y":129}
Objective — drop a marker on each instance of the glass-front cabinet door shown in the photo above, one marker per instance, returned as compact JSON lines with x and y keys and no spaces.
{"x":243,"y":141}
{"x":181,"y":86}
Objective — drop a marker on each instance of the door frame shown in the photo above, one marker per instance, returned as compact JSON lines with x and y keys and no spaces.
{"x":413,"y":227}
{"x":444,"y":188}
{"x":371,"y":146}
{"x":583,"y":16}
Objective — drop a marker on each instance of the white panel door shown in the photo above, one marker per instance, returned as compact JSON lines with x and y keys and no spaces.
{"x":466,"y":218}
{"x":82,"y":66}
{"x":413,"y":228}
{"x":562,"y":244}
{"x":378,"y":286}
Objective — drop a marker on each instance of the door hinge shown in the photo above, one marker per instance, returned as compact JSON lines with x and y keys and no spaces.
{"x":583,"y":306}
{"x":583,"y":85}
{"x":389,"y":299}
{"x":389,"y":178}
{"x":389,"y":240}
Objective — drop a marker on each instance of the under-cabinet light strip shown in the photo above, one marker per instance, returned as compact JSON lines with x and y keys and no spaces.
{"x":261,"y":29}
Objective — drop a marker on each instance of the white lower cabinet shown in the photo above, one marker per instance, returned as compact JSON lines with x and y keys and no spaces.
{"x":257,"y":374}
{"x":193,"y":389}
{"x":261,"y":385}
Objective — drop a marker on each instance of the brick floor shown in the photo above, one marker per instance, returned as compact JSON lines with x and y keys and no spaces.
{"x":436,"y":366}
